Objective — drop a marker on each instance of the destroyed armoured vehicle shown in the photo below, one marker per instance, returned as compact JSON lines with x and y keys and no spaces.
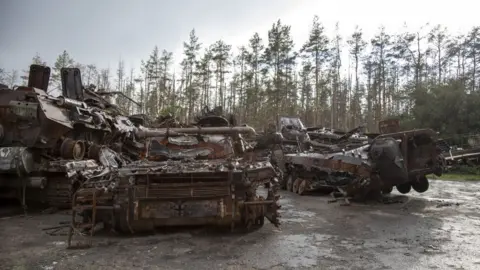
{"x":326,"y":138}
{"x":293,"y":137}
{"x":200,"y":175}
{"x":297,"y":137}
{"x":400,"y":159}
{"x":46,"y":141}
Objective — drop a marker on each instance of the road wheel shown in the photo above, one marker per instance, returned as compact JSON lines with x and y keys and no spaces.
{"x":289,"y":182}
{"x":387,"y":190}
{"x":302,"y":187}
{"x":296,"y":184}
{"x":421,"y":184}
{"x":404,"y":188}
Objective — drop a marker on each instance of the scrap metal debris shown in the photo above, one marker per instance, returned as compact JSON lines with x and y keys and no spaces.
{"x":355,"y":167}
{"x":190,"y":176}
{"x":82,"y":152}
{"x":78,"y":151}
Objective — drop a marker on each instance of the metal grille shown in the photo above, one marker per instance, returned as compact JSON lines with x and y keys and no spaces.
{"x":179,"y":192}
{"x":177,"y":186}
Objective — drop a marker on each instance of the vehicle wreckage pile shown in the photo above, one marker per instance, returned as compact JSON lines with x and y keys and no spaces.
{"x":356,"y":165}
{"x":132,"y":174}
{"x":78,"y":150}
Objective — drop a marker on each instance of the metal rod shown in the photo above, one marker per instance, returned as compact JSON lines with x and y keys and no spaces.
{"x":160,"y":132}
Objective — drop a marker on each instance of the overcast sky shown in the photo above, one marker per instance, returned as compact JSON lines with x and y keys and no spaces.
{"x":103,"y":31}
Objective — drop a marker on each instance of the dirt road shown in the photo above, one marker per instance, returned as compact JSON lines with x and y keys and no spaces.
{"x":435,"y":230}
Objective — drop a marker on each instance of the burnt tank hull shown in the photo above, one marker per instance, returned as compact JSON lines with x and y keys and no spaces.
{"x":175,"y":193}
{"x":187,"y":176}
{"x":400,"y":160}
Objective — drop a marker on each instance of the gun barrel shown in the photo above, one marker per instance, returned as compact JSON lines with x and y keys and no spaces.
{"x":161,"y":132}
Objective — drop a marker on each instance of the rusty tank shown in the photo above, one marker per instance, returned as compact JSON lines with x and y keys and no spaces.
{"x":45,"y":141}
{"x":204,"y":174}
{"x":394,"y":158}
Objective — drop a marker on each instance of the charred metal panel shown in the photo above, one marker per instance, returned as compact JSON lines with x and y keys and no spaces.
{"x":27,"y":111}
{"x":172,"y":209}
{"x":53,"y":112}
{"x":39,"y":77}
{"x":72,"y":83}
{"x":155,"y":209}
{"x":198,"y":209}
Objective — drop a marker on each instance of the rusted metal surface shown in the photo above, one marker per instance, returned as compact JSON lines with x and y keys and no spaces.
{"x":398,"y":159}
{"x":81,"y":152}
{"x":39,"y":77}
{"x":146,"y":132}
{"x":188,"y":176}
{"x":177,"y":192}
{"x":188,"y":192}
{"x":132,"y":174}
{"x":76,"y":126}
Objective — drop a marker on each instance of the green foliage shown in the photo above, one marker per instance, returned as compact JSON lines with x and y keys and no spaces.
{"x":456,"y":177}
{"x":173,"y":110}
{"x":425,"y":78}
{"x":465,"y":170}
{"x":449,"y":109}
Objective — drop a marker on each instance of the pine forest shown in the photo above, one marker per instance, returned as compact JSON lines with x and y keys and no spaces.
{"x":426,"y":78}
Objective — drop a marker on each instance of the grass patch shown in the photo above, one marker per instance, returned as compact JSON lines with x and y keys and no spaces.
{"x":455,"y":177}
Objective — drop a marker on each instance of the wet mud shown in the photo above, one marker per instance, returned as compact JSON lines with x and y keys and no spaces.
{"x":434,"y":230}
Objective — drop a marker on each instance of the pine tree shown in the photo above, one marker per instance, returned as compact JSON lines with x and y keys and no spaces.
{"x":254,"y":61}
{"x":357,"y":47}
{"x":63,"y":61}
{"x":220,"y":56}
{"x":190,"y":51}
{"x":316,"y":47}
{"x":279,"y":59}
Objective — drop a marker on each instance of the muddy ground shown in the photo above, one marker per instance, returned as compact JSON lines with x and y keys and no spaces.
{"x":435,"y":230}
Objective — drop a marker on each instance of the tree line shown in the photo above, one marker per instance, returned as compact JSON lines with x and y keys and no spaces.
{"x":427,"y":78}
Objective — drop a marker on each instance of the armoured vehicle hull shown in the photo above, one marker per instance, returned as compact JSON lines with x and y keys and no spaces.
{"x":187,"y":176}
{"x":398,"y":159}
{"x":175,"y":193}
